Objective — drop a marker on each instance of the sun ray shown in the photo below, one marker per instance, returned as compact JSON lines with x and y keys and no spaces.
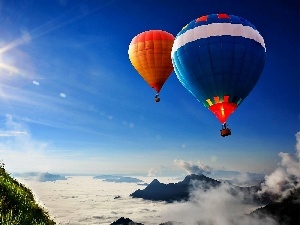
{"x":52,"y":25}
{"x":11,"y":69}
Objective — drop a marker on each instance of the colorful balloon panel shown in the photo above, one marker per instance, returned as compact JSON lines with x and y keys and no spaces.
{"x":219,"y":59}
{"x":150,"y":54}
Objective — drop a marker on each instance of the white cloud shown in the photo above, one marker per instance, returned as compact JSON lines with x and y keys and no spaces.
{"x":192,"y":168}
{"x":19,"y":151}
{"x":214,"y":206}
{"x":298,"y":145}
{"x":35,"y":83}
{"x":26,"y":36}
{"x":84,"y":200}
{"x":286,"y":176}
{"x":217,"y":206}
{"x":152,"y":172}
{"x":22,"y":152}
{"x":12,"y":133}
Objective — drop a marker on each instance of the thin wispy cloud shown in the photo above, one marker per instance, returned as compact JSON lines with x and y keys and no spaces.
{"x":19,"y":150}
{"x":53,"y":111}
{"x":12,"y":133}
{"x":75,"y":13}
{"x":25,"y":38}
{"x":22,"y":152}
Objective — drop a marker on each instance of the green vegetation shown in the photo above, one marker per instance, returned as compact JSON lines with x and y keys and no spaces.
{"x":17,"y":203}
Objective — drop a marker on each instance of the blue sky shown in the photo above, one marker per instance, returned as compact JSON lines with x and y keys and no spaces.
{"x":72,"y":102}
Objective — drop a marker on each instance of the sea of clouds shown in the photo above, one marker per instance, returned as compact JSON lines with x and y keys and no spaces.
{"x":85,"y":200}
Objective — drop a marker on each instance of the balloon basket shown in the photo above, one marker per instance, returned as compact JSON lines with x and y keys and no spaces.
{"x":225,"y":132}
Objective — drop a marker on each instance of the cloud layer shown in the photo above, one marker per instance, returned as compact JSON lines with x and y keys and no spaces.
{"x":286,"y":176}
{"x":84,"y":200}
{"x":218,"y":207}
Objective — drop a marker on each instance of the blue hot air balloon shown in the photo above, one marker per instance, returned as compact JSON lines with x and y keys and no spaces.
{"x":219,"y":59}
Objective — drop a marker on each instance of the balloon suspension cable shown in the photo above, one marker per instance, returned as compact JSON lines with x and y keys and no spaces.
{"x":157,"y":98}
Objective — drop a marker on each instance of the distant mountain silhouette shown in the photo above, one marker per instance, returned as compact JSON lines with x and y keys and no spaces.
{"x":41,"y":177}
{"x":180,"y":191}
{"x":172,"y":223}
{"x":125,"y":221}
{"x":117,"y":179}
{"x":124,"y":180}
{"x":285,"y":212}
{"x":157,"y":191}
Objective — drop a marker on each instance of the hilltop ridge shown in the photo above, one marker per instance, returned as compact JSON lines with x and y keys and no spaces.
{"x":17,"y":203}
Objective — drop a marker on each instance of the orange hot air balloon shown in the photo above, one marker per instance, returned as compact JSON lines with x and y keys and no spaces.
{"x":150,"y":54}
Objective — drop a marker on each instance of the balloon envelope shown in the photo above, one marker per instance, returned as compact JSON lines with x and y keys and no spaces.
{"x":150,"y":54}
{"x":219,"y":59}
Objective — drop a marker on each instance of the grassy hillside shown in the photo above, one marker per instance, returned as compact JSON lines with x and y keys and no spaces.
{"x":17,"y":203}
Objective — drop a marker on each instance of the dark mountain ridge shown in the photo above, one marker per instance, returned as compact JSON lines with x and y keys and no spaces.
{"x":41,"y":177}
{"x":125,"y":221}
{"x":285,"y":211}
{"x":157,"y":191}
{"x":180,"y":191}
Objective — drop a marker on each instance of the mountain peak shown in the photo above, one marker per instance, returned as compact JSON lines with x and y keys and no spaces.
{"x":154,"y":182}
{"x":157,"y":191}
{"x":125,"y":221}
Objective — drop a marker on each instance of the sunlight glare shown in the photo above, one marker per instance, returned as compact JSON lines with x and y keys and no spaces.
{"x":11,"y":69}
